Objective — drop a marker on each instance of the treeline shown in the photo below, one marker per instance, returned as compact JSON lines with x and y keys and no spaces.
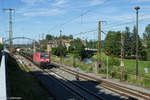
{"x":76,"y":49}
{"x":51,"y":37}
{"x":112,"y":43}
{"x":146,"y":36}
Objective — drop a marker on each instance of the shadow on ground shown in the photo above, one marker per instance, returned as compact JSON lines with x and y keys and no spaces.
{"x":20,"y":81}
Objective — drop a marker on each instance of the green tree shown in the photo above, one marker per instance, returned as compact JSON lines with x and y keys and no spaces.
{"x":1,"y":47}
{"x":58,"y":50}
{"x":127,"y":42}
{"x":133,"y":45}
{"x":146,"y":35}
{"x":49,"y":37}
{"x":65,"y":37}
{"x":112,"y":42}
{"x":77,"y":48}
{"x":92,"y":44}
{"x":70,"y":36}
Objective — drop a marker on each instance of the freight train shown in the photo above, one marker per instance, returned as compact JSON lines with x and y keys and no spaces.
{"x":42,"y":59}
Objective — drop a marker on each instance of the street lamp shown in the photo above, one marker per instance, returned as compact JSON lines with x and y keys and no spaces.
{"x":137,"y":9}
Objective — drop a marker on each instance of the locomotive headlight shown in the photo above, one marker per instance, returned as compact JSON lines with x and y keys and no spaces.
{"x":42,"y":59}
{"x":47,"y":59}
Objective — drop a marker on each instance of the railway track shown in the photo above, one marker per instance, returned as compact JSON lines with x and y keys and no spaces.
{"x":121,"y":90}
{"x":89,"y":94}
{"x":74,"y":92}
{"x":76,"y":89}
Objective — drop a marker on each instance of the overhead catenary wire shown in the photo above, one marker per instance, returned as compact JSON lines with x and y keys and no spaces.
{"x":57,"y":26}
{"x":103,"y":31}
{"x":81,"y":15}
{"x":125,"y":23}
{"x":93,"y":30}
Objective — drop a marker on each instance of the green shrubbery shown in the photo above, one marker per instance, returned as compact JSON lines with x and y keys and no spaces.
{"x":111,"y":60}
{"x":101,"y":71}
{"x":1,"y":47}
{"x":146,"y":82}
{"x":59,"y":50}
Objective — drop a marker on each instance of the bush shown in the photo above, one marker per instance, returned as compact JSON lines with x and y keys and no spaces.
{"x":146,"y":83}
{"x":116,"y":75}
{"x":102,"y":71}
{"x":1,"y":47}
{"x":112,"y":61}
{"x":58,"y":50}
{"x":90,"y":69}
{"x":125,"y":76}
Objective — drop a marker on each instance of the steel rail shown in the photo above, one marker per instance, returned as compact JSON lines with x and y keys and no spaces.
{"x":61,"y":83}
{"x":111,"y":85}
{"x":79,"y":86}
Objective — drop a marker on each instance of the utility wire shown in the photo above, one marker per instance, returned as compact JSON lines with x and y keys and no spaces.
{"x":125,"y":23}
{"x":81,"y":15}
{"x":93,"y":30}
{"x":57,"y":26}
{"x":85,"y":32}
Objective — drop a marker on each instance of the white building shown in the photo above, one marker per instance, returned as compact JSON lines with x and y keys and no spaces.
{"x":1,"y":40}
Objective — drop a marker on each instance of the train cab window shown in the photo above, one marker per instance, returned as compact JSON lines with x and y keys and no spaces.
{"x":44,"y":56}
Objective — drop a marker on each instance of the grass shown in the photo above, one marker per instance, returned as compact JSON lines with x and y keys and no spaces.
{"x":23,"y":84}
{"x":115,"y":70}
{"x":69,"y":62}
{"x":130,"y":65}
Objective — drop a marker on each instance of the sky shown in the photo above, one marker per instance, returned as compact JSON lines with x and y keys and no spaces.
{"x":36,"y":18}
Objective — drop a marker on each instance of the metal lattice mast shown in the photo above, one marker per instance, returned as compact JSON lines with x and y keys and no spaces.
{"x":10,"y":29}
{"x":99,"y":41}
{"x":122,"y":54}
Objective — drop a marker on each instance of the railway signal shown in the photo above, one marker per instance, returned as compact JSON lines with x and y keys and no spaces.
{"x":107,"y":54}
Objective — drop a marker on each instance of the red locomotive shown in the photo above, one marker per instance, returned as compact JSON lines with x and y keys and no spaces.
{"x":41,"y":59}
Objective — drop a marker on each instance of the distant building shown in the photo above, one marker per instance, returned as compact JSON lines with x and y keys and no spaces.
{"x":1,"y":40}
{"x":66,"y":43}
{"x":52,"y":44}
{"x":55,"y":43}
{"x":84,"y":42}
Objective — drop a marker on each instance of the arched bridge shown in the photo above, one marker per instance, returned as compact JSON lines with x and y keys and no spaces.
{"x":19,"y":38}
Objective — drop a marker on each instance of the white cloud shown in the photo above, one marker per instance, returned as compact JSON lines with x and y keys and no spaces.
{"x":96,"y":2}
{"x":32,"y":2}
{"x":140,"y":0}
{"x":37,"y":22}
{"x":41,"y":8}
{"x":59,"y":3}
{"x":40,"y":12}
